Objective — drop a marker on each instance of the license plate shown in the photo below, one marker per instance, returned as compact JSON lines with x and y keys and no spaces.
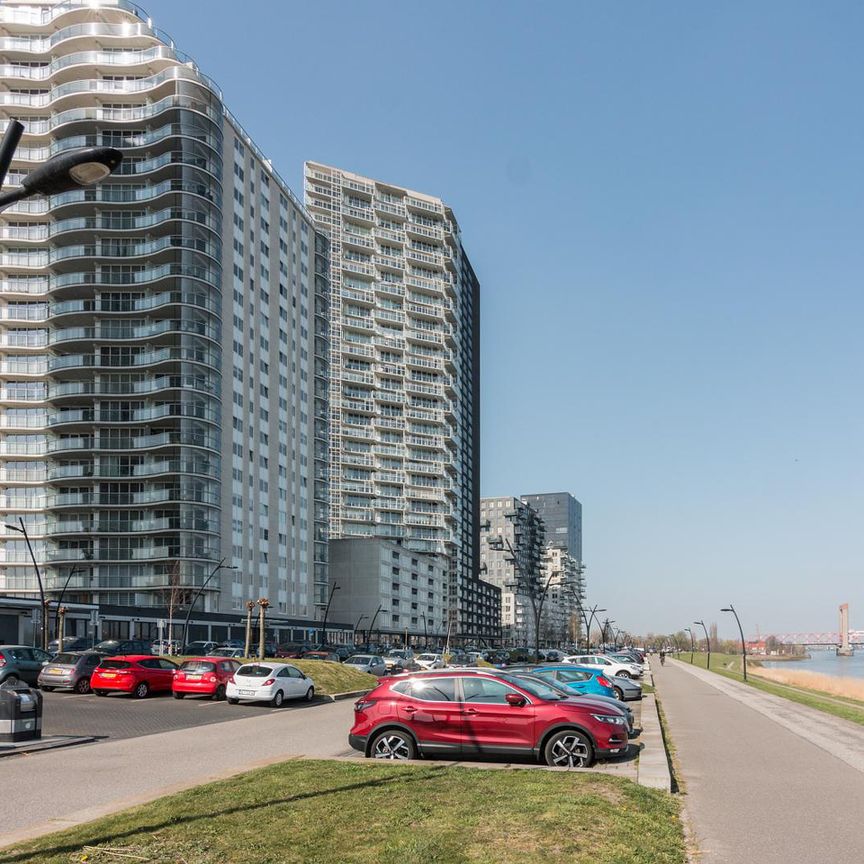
{"x":193,"y":677}
{"x":109,"y":674}
{"x":53,"y":671}
{"x":246,"y":692}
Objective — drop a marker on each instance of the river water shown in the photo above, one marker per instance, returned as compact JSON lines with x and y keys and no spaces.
{"x":826,"y":663}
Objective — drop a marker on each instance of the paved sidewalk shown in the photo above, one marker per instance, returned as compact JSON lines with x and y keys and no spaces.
{"x":757,"y":786}
{"x":83,"y":783}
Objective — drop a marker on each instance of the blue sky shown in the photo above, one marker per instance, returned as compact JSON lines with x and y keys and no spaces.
{"x":663,"y":203}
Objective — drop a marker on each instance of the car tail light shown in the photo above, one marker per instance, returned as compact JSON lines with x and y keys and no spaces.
{"x":363,"y":704}
{"x":603,"y":682}
{"x":2,"y":660}
{"x":268,"y":682}
{"x":231,"y":679}
{"x":212,"y":679}
{"x":180,"y":674}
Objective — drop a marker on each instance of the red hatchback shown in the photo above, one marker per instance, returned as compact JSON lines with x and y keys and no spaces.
{"x":203,"y":676}
{"x":138,"y":674}
{"x":466,"y":712}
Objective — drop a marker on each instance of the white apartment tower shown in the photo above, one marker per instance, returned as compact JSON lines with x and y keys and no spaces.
{"x":163,"y":336}
{"x":404,"y":335}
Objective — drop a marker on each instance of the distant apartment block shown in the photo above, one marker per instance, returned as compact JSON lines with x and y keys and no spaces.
{"x":404,"y":363}
{"x":164,"y":337}
{"x":562,"y":515}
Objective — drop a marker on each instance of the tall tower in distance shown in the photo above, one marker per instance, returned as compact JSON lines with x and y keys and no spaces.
{"x":405,"y":376}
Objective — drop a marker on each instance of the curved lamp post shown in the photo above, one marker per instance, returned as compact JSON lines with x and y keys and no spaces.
{"x":707,"y":639}
{"x":336,"y":587}
{"x":731,"y":608}
{"x":688,"y":630}
{"x":594,"y":611}
{"x":357,"y":626}
{"x":72,"y":572}
{"x":372,"y":622}
{"x":213,"y":572}
{"x":21,"y":528}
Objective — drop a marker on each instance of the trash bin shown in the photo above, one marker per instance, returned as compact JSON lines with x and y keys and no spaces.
{"x":20,"y":714}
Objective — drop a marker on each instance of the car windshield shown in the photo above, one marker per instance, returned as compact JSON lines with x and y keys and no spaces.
{"x":108,"y":643}
{"x":254,"y":671}
{"x":538,"y":688}
{"x":115,"y":664}
{"x":224,"y":652}
{"x":428,"y":657}
{"x":394,"y":653}
{"x":70,"y":659}
{"x":197,"y":666}
{"x":359,"y":659}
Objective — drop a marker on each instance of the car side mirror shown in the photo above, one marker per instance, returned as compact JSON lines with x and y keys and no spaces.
{"x":303,"y":675}
{"x":515,"y":699}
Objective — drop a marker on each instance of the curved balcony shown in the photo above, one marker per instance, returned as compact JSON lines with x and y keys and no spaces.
{"x":148,"y":358}
{"x":160,"y":384}
{"x":138,"y":114}
{"x":88,"y":416}
{"x":110,"y":332}
{"x":159,"y":468}
{"x":154,"y":302}
{"x":114,"y":250}
{"x":155,"y":441}
{"x":53,"y":43}
{"x":174,"y":523}
{"x":135,"y":277}
{"x":84,"y":90}
{"x":109,"y":221}
{"x":148,"y":497}
{"x":108,"y":194}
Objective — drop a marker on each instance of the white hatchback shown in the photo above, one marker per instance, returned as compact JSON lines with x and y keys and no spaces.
{"x":609,"y":665}
{"x":269,"y":682}
{"x":430,"y":661}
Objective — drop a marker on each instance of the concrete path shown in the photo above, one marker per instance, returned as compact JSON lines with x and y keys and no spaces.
{"x":83,"y":783}
{"x":766,"y":779}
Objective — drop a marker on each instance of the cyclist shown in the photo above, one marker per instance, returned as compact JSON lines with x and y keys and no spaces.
{"x":662,"y":656}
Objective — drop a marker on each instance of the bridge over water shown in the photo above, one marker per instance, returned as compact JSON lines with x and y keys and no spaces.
{"x":827,"y":640}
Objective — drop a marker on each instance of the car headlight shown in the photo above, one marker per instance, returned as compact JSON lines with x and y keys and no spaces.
{"x":608,"y":718}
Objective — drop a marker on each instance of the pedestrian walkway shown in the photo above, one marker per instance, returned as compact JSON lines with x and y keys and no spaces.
{"x":758,"y":789}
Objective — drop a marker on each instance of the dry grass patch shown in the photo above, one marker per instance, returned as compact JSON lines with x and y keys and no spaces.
{"x":834,"y":685}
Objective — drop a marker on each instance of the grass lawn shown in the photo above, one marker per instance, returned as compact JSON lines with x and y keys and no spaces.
{"x":730,"y":665}
{"x":322,"y":812}
{"x":329,"y":677}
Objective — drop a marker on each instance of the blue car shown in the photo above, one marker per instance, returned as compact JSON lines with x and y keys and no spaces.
{"x":580,"y":679}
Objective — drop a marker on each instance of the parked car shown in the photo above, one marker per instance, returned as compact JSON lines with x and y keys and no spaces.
{"x":627,"y":658}
{"x":481,"y":712}
{"x":233,"y":643}
{"x":577,"y":679}
{"x":21,"y":663}
{"x":70,"y":643}
{"x":70,"y":670}
{"x":125,"y":647}
{"x":165,"y":646}
{"x":608,"y":702}
{"x":626,"y":689}
{"x":398,"y":659}
{"x":371,"y":663}
{"x":200,"y":648}
{"x":269,"y":682}
{"x":322,"y":655}
{"x":430,"y":661}
{"x":140,"y":675}
{"x":292,"y":650}
{"x":609,"y":666}
{"x":203,"y":676}
{"x":227,"y":652}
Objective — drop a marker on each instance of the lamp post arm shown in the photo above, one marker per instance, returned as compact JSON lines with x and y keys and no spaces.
{"x":743,"y":645}
{"x":200,"y":591}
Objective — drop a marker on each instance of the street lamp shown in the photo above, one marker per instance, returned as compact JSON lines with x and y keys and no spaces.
{"x":372,"y":622}
{"x":336,"y":587}
{"x":707,"y":639}
{"x":688,"y":630}
{"x":72,"y":572}
{"x":425,"y":632}
{"x":22,"y":529}
{"x":220,"y":566}
{"x":594,"y":612}
{"x":357,"y":627}
{"x":60,"y":173}
{"x":731,"y":608}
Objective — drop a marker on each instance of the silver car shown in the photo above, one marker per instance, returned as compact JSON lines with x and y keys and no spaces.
{"x":70,"y":670}
{"x":626,"y":689}
{"x":371,"y":663}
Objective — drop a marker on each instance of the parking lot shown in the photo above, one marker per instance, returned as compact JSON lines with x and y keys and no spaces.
{"x":118,"y":716}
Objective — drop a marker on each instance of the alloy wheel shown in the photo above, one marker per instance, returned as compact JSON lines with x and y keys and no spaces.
{"x":392,"y":747}
{"x":570,"y":751}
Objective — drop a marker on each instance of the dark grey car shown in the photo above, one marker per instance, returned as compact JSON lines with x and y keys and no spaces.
{"x":70,"y":670}
{"x":21,"y":663}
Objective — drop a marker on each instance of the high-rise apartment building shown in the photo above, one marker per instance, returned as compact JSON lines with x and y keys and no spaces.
{"x":562,"y":515}
{"x":511,"y":551}
{"x":163,"y":336}
{"x":404,"y":436}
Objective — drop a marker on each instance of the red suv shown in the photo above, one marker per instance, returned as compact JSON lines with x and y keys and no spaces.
{"x":468,"y":712}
